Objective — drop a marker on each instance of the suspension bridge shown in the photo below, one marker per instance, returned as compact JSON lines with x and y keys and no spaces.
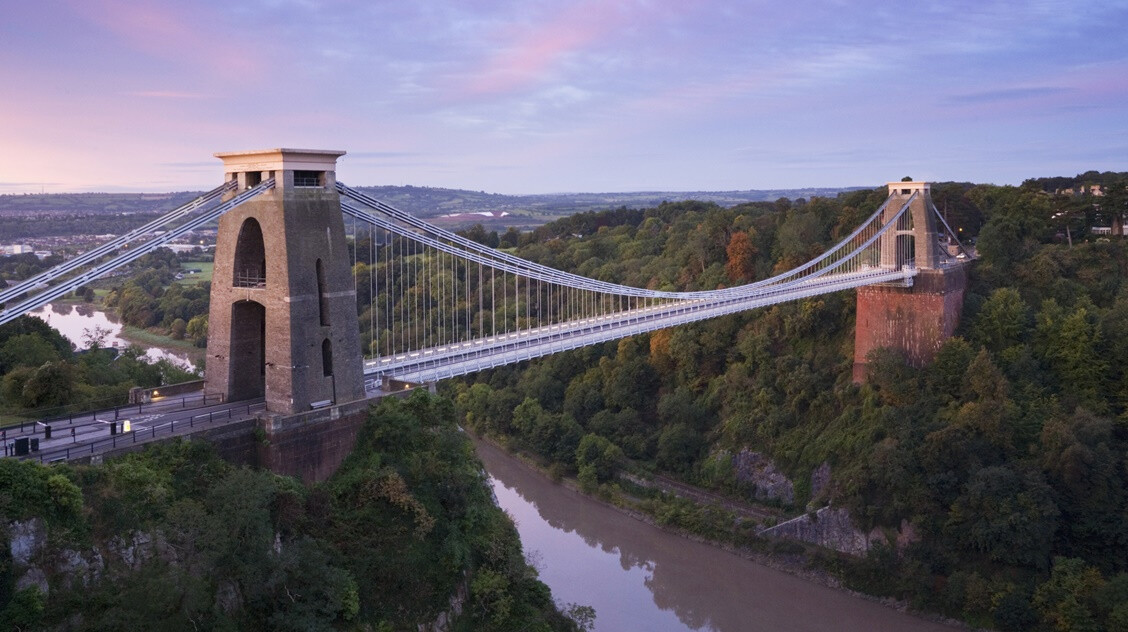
{"x":290,"y":321}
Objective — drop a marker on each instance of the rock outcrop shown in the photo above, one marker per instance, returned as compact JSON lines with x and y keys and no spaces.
{"x":833,"y":528}
{"x":757,"y":469}
{"x":828,"y":527}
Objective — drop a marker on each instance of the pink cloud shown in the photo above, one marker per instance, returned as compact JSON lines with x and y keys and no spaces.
{"x":166,"y":31}
{"x":527,"y":53}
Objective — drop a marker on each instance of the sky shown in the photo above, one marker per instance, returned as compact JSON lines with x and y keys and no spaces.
{"x":546,"y":96}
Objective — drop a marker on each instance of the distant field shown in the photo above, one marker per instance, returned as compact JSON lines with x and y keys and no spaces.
{"x":205,"y":267}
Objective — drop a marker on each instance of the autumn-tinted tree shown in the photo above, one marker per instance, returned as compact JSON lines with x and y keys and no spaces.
{"x":741,"y":258}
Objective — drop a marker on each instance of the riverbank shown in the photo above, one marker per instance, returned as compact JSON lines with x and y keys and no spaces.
{"x":803,"y":562}
{"x":81,"y":323}
{"x":146,"y":338}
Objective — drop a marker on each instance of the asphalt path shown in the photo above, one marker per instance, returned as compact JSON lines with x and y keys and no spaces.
{"x":90,"y":434}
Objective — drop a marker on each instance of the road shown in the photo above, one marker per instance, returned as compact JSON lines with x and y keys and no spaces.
{"x":90,"y":434}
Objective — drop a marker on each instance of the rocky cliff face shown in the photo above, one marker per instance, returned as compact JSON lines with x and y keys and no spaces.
{"x":771,"y":483}
{"x":834,"y":528}
{"x":828,"y":527}
{"x":36,"y":563}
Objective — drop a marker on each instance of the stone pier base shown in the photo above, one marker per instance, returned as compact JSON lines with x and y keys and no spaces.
{"x":916,"y":320}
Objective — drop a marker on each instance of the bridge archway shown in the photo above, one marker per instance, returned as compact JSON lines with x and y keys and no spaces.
{"x":250,"y":256}
{"x":248,"y":350}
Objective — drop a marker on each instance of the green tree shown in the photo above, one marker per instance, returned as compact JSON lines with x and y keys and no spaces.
{"x":25,"y":609}
{"x":679,"y":447}
{"x":1082,"y":458}
{"x":52,"y":384}
{"x":1070,"y":343}
{"x":598,"y":456}
{"x":197,"y":329}
{"x":27,"y":350}
{"x":1002,"y":320}
{"x":1067,"y":599}
{"x":583,"y":397}
{"x":178,"y":329}
{"x":1009,"y":517}
{"x":1014,"y":613}
{"x":631,"y":385}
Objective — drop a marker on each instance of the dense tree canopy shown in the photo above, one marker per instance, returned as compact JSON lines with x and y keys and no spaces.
{"x":188,"y":541}
{"x":1006,"y":453}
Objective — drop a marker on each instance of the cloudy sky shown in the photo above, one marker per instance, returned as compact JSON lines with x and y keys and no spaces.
{"x":528,"y":96}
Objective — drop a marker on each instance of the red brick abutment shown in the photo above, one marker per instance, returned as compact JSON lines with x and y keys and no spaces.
{"x":915,"y":321}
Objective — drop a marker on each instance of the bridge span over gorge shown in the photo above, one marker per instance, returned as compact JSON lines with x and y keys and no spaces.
{"x":284,"y":304}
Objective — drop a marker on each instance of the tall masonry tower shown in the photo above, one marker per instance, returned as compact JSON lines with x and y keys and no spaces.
{"x":282,"y":323}
{"x":915,"y":241}
{"x":918,"y":319}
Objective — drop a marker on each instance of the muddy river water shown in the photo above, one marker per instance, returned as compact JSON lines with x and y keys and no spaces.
{"x":638,"y":577}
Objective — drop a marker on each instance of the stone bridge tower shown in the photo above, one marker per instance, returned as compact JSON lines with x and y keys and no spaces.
{"x":282,"y":323}
{"x":916,"y":319}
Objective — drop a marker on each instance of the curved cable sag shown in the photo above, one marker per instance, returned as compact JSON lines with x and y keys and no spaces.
{"x":503,"y":262}
{"x":563,"y":336}
{"x":491,"y":257}
{"x":565,"y":277}
{"x":691,"y":307}
{"x":739,"y":291}
{"x":114,"y":244}
{"x":554,"y":275}
{"x":51,"y":294}
{"x":714,"y":295}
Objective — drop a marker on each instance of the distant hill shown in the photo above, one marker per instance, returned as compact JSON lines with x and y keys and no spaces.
{"x":426,"y":202}
{"x":69,"y":204}
{"x":433,"y":202}
{"x":66,"y":221}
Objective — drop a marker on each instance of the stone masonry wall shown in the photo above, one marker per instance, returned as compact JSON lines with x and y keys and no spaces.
{"x":916,"y":320}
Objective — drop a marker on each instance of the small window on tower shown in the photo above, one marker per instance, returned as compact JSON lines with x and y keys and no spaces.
{"x":309,"y":178}
{"x":254,"y":178}
{"x":327,"y":358}
{"x":906,"y":191}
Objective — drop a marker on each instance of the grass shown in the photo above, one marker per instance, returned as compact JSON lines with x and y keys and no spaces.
{"x":206,"y":269}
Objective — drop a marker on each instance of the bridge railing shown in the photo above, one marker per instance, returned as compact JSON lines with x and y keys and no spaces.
{"x":141,"y":436}
{"x":172,"y":403}
{"x":250,"y":279}
{"x":421,"y":367}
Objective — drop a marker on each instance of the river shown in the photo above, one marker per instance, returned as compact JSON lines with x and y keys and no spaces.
{"x":79,"y":322}
{"x":638,"y":577}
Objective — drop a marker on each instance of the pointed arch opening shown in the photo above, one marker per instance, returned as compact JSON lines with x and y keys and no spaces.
{"x":250,"y":256}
